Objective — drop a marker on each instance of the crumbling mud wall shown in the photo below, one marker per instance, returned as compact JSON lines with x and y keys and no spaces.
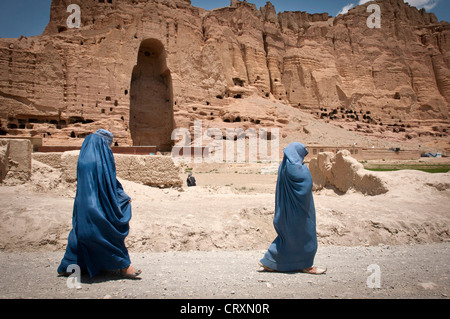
{"x":15,"y":161}
{"x":151,"y":170}
{"x":343,"y":172}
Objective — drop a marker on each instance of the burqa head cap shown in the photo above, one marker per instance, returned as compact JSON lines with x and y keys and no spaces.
{"x":107,"y":135}
{"x":296,"y":152}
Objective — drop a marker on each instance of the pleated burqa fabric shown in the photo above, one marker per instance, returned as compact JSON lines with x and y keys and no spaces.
{"x":295,"y":216}
{"x":101,"y":211}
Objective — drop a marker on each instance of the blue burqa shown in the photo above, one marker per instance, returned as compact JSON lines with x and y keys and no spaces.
{"x":101,"y":211}
{"x":295,"y":215}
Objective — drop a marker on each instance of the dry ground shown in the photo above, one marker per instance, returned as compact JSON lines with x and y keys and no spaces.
{"x":204,"y":242}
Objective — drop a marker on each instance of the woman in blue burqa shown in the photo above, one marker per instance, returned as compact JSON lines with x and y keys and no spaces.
{"x":295,"y":247}
{"x":101,"y":213}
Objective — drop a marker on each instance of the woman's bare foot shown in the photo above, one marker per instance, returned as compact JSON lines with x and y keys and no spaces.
{"x":130,"y":272}
{"x":314,"y":270}
{"x":265,"y":268}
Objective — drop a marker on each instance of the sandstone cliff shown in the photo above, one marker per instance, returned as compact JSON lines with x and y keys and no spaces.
{"x":141,"y":68}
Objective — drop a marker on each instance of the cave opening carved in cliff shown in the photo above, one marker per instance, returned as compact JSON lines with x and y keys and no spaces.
{"x":151,"y":98}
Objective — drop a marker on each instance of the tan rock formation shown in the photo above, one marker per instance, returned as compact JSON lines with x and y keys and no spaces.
{"x":344,"y":173}
{"x":136,"y":67}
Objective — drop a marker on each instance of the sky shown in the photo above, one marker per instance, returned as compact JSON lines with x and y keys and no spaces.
{"x":30,"y":17}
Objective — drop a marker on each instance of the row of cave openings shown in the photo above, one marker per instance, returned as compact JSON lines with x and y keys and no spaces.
{"x":228,"y":118}
{"x":395,"y":124}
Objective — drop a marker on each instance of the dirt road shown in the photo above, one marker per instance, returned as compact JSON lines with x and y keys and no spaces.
{"x":411,"y":271}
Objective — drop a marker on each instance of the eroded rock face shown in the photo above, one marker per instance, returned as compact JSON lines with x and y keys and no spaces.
{"x":137,"y":67}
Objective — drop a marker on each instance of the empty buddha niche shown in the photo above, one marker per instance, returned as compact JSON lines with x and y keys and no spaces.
{"x":151,"y":108}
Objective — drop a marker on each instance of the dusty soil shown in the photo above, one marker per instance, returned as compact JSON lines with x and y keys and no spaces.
{"x":232,"y":208}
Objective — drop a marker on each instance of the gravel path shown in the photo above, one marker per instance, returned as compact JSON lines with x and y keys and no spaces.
{"x":413,"y":271}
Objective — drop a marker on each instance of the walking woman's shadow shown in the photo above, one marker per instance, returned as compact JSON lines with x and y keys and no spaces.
{"x":102,"y":276}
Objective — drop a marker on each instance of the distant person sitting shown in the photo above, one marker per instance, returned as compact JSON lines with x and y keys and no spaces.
{"x":191,"y":180}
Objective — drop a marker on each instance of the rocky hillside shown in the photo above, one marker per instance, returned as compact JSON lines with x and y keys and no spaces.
{"x":141,"y":68}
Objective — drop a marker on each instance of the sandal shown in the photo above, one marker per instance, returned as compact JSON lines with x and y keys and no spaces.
{"x":314,"y":270}
{"x":134,"y":275}
{"x":64,"y":274}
